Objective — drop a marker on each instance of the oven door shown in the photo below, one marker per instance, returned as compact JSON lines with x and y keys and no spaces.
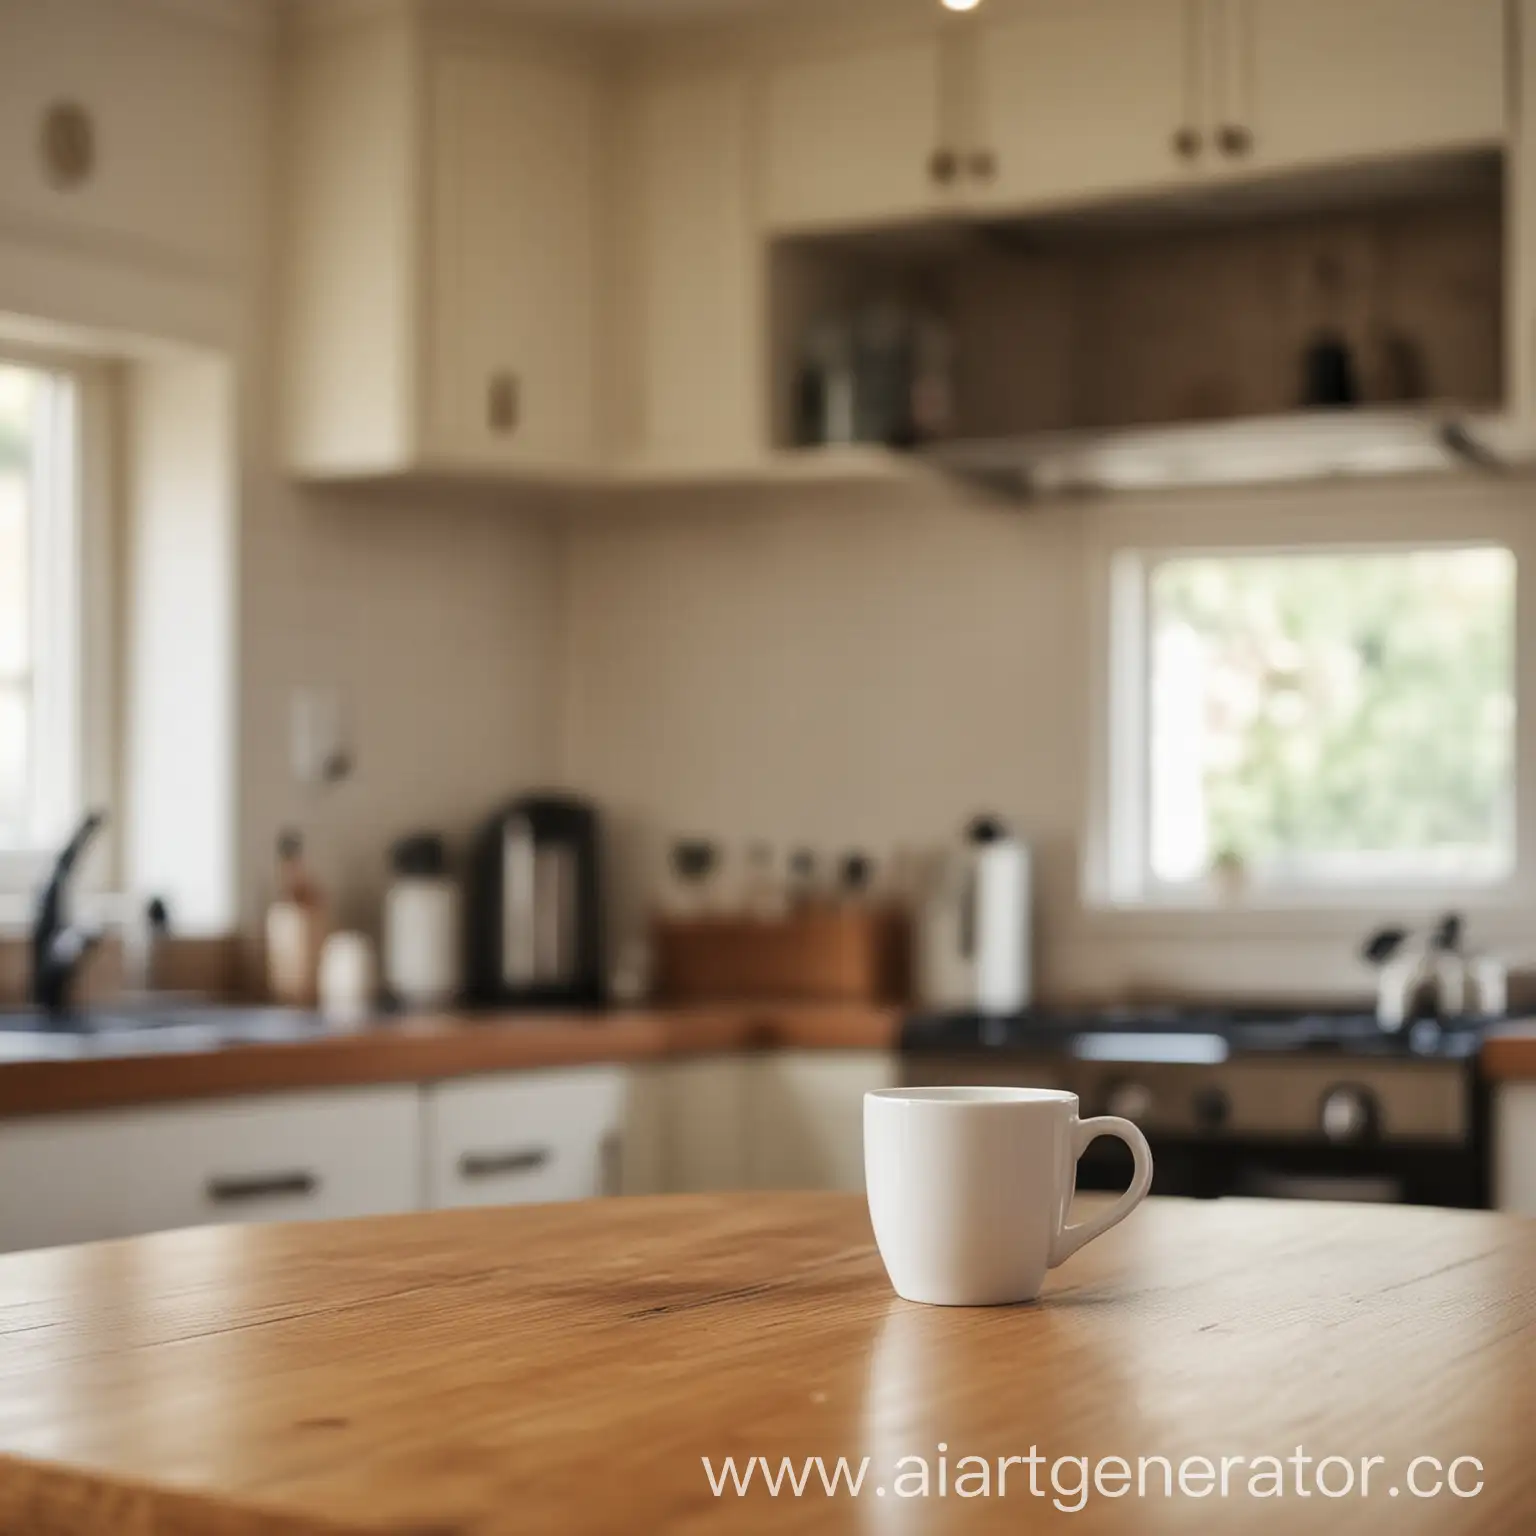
{"x":1207,"y":1168}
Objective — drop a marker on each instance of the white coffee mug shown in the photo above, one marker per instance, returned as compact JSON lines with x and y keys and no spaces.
{"x":969,"y":1188}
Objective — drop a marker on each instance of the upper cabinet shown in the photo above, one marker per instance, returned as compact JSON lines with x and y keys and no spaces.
{"x":857,"y":135}
{"x":518,"y":250}
{"x":1036,"y":104}
{"x":688,"y":275}
{"x":1312,"y":81}
{"x":1082,"y":100}
{"x":513,"y":178}
{"x":444,"y":179}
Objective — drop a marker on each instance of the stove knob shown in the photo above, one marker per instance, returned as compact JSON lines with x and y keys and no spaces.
{"x":1348,"y":1115}
{"x":1212,"y":1109}
{"x":1129,"y":1100}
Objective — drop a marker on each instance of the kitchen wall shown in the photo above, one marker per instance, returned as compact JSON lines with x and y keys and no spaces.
{"x":433,"y":614}
{"x":868,"y":670}
{"x":838,"y":671}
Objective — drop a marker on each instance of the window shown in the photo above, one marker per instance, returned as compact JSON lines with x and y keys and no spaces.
{"x":1328,"y":721}
{"x":39,"y":607}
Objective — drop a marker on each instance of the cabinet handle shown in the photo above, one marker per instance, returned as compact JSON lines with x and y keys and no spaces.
{"x":1187,"y":143}
{"x":611,"y":1160}
{"x":944,"y":167}
{"x":503,"y":403}
{"x":1234,"y":140}
{"x":982,"y":165}
{"x":490,"y":1165}
{"x":262,"y":1186}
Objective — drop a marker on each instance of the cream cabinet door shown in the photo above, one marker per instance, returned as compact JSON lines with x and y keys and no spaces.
{"x":806,"y":1117}
{"x":524,"y":1138}
{"x":514,"y":175}
{"x":283,"y":1157}
{"x":1514,"y":1148}
{"x":849,"y":137}
{"x":696,"y":283}
{"x":1083,"y":100}
{"x":1336,"y":80}
{"x":704,"y":1123}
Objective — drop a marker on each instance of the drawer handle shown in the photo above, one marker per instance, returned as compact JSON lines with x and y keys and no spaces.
{"x":503,"y":403}
{"x":262,"y":1186}
{"x":490,"y":1165}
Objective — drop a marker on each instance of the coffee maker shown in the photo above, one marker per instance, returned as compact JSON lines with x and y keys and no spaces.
{"x":535,"y":928}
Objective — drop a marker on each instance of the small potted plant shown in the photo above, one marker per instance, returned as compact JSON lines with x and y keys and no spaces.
{"x":1229,"y":875}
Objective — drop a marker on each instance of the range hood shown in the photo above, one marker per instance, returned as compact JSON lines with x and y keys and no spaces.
{"x":1266,"y":450}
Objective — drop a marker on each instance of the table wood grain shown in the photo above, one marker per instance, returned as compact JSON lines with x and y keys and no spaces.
{"x":565,"y":1369}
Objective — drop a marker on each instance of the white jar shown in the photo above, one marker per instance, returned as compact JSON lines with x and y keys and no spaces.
{"x":422,"y":961}
{"x":348,"y":980}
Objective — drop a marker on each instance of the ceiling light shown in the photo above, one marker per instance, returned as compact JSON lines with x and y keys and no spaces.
{"x":961,"y":5}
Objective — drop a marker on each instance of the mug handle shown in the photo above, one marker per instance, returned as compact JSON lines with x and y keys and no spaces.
{"x":1070,"y":1239}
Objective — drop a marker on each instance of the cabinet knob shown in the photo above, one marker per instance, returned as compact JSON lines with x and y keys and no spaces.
{"x":982,"y":165}
{"x":944,"y":167}
{"x":1187,"y":143}
{"x":1234,"y":140}
{"x":503,"y":403}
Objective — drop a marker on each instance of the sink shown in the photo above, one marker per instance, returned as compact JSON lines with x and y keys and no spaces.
{"x":152,"y":1028}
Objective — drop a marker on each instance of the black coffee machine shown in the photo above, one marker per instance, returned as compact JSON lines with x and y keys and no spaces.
{"x":535,"y":918}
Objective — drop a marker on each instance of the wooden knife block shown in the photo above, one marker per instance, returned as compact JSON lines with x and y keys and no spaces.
{"x":821,"y":954}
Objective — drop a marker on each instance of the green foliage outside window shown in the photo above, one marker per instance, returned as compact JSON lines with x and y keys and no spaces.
{"x":1350,"y":702}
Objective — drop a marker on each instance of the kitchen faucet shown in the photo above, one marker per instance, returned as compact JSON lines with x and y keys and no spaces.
{"x":58,"y":946}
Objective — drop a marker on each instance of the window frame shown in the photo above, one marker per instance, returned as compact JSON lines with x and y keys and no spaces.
{"x":79,"y":623}
{"x":1125,"y":545}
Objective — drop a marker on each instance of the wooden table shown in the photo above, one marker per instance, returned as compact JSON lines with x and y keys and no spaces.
{"x":566,"y":1369}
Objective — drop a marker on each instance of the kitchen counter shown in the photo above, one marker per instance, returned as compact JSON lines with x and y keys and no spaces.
{"x":1509,"y":1052}
{"x":411,"y":1050}
{"x":425,"y":1049}
{"x":566,"y":1368}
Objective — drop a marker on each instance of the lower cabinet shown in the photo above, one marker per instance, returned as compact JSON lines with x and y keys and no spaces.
{"x":805,"y":1123}
{"x":523,"y":1138}
{"x":1514,"y":1148}
{"x":280,"y":1157}
{"x":776,"y":1120}
{"x":702,"y":1117}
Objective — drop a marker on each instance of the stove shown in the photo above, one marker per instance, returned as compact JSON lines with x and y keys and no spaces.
{"x":1301,"y":1103}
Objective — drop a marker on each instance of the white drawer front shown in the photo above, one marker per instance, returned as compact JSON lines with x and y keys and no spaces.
{"x":291,"y":1157}
{"x":305,"y":1157}
{"x":59,"y":1180}
{"x":524,"y":1138}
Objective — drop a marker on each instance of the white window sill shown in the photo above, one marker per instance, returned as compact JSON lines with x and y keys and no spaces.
{"x":1501,"y":919}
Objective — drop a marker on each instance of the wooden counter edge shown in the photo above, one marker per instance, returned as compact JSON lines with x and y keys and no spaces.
{"x":1509,"y":1052}
{"x":430,"y":1049}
